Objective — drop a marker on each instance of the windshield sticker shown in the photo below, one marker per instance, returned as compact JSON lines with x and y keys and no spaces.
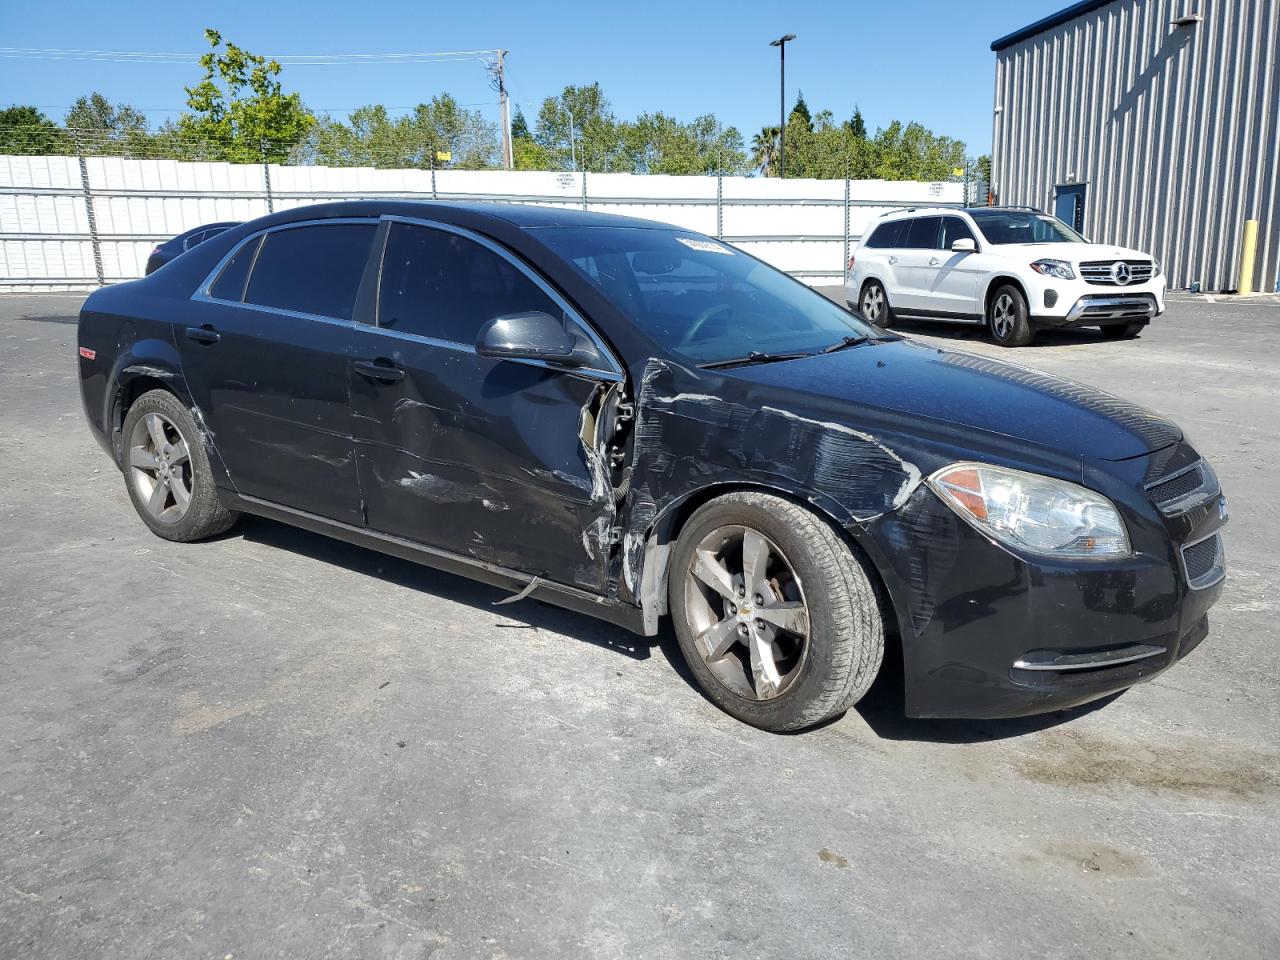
{"x":706,"y":246}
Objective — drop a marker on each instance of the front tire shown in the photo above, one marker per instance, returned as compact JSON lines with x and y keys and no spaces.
{"x":167,"y":473}
{"x":1008,"y":317}
{"x":874,"y":304}
{"x":775,"y":614}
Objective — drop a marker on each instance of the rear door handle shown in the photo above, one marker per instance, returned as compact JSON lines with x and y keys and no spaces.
{"x":205,"y":334}
{"x":893,"y":259}
{"x":379,"y":370}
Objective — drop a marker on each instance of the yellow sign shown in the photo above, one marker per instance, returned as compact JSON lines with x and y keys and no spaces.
{"x":444,"y":156}
{"x":958,"y":172}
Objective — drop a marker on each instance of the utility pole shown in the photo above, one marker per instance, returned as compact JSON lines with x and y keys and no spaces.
{"x":781,"y":44}
{"x":498,"y":73}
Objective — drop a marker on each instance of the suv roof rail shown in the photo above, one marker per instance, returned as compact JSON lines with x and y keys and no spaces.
{"x":945,"y":208}
{"x":1012,"y":206}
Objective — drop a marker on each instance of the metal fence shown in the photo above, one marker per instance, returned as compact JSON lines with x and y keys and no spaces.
{"x":82,"y":221}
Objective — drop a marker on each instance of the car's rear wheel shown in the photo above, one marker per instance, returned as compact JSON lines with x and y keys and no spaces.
{"x":167,"y":471}
{"x":774,"y":612}
{"x":874,"y":304}
{"x":1122,"y":331}
{"x":1008,"y":317}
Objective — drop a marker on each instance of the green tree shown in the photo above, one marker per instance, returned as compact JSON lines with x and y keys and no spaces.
{"x":239,"y":110}
{"x":371,"y":138}
{"x":581,"y":122}
{"x":856,"y":126}
{"x":764,"y":151}
{"x":25,"y":130}
{"x":519,"y":125}
{"x":657,"y":143}
{"x":801,"y":110}
{"x":99,"y":127}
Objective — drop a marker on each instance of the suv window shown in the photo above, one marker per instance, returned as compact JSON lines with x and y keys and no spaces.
{"x":953,"y":229}
{"x":313,"y":269}
{"x":923,"y":233}
{"x":888,"y":234}
{"x":231,"y":281}
{"x":444,"y":286}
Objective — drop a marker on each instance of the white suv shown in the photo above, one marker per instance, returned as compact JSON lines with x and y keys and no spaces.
{"x":1014,"y":269}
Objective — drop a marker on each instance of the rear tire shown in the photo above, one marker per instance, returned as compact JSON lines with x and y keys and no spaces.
{"x":874,"y":304}
{"x":1008,"y":317}
{"x":166,"y":471}
{"x":801,"y":646}
{"x":1122,"y":331}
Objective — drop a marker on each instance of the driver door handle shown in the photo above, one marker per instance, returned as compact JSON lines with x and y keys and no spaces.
{"x":379,"y":370}
{"x":934,"y":261}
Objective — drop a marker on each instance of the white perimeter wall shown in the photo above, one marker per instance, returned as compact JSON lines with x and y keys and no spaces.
{"x":45,"y":238}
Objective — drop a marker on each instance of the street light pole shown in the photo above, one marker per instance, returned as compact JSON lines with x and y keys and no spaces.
{"x":781,"y":44}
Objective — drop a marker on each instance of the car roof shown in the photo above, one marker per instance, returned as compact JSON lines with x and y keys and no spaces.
{"x":519,"y":215}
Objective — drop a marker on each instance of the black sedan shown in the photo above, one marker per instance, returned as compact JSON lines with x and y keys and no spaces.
{"x":183,"y":242}
{"x":634,"y":421}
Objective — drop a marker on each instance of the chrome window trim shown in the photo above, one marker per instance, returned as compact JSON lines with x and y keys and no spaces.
{"x":613,"y":371}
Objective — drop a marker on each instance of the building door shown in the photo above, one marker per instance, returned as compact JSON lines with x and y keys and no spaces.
{"x":1069,"y":206}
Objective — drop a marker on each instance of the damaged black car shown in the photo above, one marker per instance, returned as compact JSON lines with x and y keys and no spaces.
{"x":637,"y":421}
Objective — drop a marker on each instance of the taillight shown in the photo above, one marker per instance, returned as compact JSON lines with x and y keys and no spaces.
{"x":849,"y":267}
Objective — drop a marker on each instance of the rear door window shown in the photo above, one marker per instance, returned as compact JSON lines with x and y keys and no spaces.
{"x":923,"y":234}
{"x":312,"y":269}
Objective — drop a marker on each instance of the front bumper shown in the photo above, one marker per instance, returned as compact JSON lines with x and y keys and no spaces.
{"x":1067,"y":303}
{"x":986,"y":633}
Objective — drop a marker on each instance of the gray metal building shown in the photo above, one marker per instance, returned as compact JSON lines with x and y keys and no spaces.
{"x":1149,"y":123}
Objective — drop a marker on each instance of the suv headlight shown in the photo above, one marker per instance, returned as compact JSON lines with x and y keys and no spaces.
{"x":1026,"y":511}
{"x":1054,"y":268}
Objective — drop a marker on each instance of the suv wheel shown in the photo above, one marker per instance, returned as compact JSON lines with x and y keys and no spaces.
{"x":1008,"y":317}
{"x":874,"y":304}
{"x":775,"y":614}
{"x":167,"y":473}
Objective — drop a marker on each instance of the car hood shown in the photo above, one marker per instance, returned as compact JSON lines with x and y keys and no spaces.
{"x":1071,"y":252}
{"x":979,"y":393}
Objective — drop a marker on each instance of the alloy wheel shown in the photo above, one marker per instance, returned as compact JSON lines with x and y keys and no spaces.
{"x":160,"y":467}
{"x":1003,"y":315}
{"x":747,"y":612}
{"x":872,"y":303}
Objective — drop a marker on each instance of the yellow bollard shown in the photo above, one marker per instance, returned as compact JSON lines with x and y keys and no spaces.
{"x":1248,"y":247}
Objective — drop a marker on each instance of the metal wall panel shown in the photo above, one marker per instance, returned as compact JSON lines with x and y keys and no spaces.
{"x":1175,"y":130}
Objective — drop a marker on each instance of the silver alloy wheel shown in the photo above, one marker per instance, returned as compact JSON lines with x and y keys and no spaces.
{"x":1003,"y":315}
{"x":747,"y":612}
{"x":160,"y":467}
{"x":872,"y":303}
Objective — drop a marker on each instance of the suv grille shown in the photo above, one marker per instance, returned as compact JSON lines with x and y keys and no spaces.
{"x":1116,"y":273}
{"x":1204,"y":562}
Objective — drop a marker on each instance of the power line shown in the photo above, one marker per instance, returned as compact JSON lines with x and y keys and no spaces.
{"x":295,"y":59}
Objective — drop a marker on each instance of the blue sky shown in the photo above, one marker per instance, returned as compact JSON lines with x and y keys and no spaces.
{"x":925,"y":60}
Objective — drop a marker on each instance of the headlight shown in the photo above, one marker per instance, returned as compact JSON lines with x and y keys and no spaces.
{"x":1029,"y":512}
{"x":1054,"y":268}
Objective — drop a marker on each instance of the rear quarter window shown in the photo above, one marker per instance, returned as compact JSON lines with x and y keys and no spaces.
{"x":231,"y":281}
{"x":888,"y":234}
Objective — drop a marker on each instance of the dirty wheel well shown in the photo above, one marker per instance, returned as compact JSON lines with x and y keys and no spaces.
{"x":129,"y":392}
{"x":671,"y":526}
{"x":996,"y":284}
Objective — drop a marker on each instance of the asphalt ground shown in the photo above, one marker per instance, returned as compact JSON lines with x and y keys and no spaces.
{"x":277,"y":745}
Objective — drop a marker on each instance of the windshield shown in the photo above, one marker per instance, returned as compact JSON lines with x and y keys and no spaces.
{"x":1023,"y":226}
{"x":700,"y":298}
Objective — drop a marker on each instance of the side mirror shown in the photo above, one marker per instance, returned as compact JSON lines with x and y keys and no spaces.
{"x":964,"y":245}
{"x":526,"y":336}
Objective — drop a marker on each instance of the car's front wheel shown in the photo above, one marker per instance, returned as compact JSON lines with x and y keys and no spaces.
{"x":167,"y":471}
{"x":1008,"y":317}
{"x":874,"y":304}
{"x":774,"y":612}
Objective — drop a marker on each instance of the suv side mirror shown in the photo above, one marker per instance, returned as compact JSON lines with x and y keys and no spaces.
{"x":526,"y":336}
{"x":964,"y":245}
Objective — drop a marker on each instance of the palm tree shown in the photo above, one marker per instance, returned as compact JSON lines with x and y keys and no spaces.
{"x":764,"y":150}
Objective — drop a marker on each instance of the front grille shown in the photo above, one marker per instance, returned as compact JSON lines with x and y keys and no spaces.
{"x":1178,"y":486}
{"x":1204,"y":562}
{"x":1103,"y":273}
